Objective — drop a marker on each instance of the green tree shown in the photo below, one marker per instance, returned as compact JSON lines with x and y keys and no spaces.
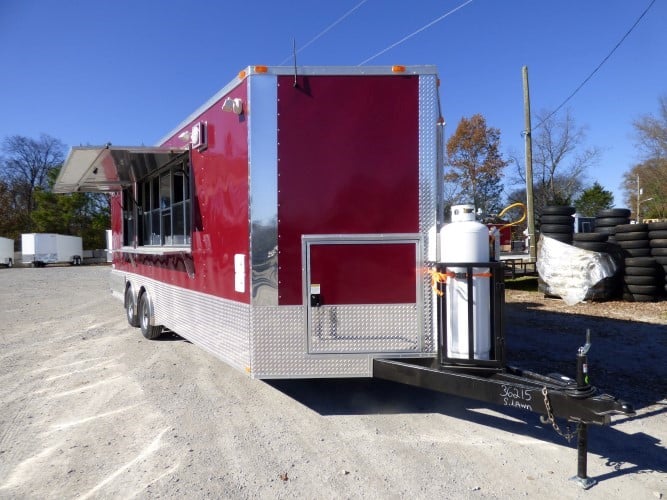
{"x":79,"y":214}
{"x":474,"y":165}
{"x":594,"y":199}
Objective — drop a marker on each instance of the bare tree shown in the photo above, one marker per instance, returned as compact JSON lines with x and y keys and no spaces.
{"x":652,"y":132}
{"x":26,"y":165}
{"x":560,"y":159}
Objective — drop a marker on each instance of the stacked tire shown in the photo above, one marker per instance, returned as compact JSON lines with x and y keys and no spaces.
{"x":557,"y":222}
{"x":657,"y":233}
{"x":633,"y":240}
{"x":607,"y":220}
{"x":642,"y":281}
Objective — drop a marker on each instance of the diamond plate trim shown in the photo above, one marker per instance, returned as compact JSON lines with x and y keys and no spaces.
{"x":429,"y":177}
{"x":220,"y":326}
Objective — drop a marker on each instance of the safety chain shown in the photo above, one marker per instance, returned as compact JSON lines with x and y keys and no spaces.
{"x":568,"y":434}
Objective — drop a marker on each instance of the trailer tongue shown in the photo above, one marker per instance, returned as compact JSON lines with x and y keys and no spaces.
{"x":553,"y":396}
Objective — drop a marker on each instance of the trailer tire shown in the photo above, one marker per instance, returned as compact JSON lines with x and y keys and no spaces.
{"x":148,"y":330}
{"x":131,"y":308}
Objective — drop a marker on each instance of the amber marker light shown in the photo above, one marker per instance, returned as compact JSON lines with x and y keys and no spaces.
{"x":398,"y":69}
{"x":261,"y":69}
{"x":242,"y":74}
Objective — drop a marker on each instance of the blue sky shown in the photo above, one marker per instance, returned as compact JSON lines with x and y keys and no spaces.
{"x":128,"y":71}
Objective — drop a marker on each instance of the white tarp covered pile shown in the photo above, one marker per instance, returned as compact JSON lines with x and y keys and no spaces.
{"x":570,"y":272}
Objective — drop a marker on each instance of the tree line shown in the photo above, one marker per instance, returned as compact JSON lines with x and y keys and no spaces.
{"x":28,"y":170}
{"x":475,"y":172}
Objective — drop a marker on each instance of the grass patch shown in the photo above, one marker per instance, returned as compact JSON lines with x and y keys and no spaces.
{"x":523,"y":283}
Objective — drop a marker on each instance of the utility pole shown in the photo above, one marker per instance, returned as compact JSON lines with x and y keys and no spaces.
{"x":639,"y":194}
{"x":530,"y":206}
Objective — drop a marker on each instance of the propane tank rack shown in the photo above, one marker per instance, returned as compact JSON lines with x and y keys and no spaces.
{"x":491,"y":380}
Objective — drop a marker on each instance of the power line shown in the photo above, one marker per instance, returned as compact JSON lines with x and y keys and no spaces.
{"x":596,"y":69}
{"x":416,"y":32}
{"x":325,"y":30}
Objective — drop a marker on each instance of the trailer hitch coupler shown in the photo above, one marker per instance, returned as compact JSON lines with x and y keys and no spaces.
{"x":583,"y":382}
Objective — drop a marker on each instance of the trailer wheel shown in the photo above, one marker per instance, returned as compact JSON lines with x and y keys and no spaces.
{"x":131,"y":308}
{"x":145,"y":309}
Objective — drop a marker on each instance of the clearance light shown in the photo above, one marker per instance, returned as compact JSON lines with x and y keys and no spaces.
{"x":398,"y":69}
{"x":241,"y":74}
{"x":261,"y":69}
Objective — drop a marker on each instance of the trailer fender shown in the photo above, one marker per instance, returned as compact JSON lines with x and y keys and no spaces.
{"x":130,"y":303}
{"x":145,"y":311}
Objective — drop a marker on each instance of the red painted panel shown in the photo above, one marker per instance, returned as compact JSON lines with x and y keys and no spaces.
{"x":220,"y":200}
{"x":364,"y":273}
{"x":348,"y":150}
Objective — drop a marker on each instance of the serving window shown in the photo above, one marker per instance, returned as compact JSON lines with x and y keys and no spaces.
{"x":165,"y":206}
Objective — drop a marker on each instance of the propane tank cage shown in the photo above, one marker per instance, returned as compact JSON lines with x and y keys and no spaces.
{"x":495,"y":274}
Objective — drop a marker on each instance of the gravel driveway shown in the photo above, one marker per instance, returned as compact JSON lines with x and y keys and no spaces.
{"x":89,"y":409}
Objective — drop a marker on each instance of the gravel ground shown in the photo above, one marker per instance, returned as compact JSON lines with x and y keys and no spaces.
{"x":89,"y":409}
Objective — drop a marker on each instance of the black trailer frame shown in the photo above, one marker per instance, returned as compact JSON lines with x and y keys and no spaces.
{"x":553,"y":396}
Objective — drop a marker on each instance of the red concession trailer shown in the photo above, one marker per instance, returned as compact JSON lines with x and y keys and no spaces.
{"x":292,"y":226}
{"x":285,"y":224}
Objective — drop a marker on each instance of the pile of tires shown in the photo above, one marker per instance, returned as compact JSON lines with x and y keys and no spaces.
{"x":633,"y":240}
{"x":594,"y":242}
{"x":657,"y":233}
{"x":607,"y":220}
{"x":557,"y":222}
{"x":642,"y":279}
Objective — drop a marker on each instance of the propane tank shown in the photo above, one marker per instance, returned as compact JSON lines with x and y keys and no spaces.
{"x":466,"y":241}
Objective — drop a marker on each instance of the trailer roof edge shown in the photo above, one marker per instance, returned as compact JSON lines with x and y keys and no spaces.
{"x":250,"y":71}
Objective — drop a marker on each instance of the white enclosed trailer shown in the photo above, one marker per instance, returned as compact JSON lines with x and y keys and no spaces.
{"x":40,"y":249}
{"x":6,"y":252}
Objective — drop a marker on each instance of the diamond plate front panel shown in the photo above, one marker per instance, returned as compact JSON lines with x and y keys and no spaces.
{"x":280,"y":348}
{"x":354,"y":329}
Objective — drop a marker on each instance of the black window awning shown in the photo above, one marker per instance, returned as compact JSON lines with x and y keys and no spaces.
{"x":103,"y":169}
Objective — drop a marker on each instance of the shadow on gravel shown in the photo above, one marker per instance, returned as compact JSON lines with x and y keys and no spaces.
{"x":169,"y":336}
{"x":627,"y":359}
{"x":624,"y":453}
